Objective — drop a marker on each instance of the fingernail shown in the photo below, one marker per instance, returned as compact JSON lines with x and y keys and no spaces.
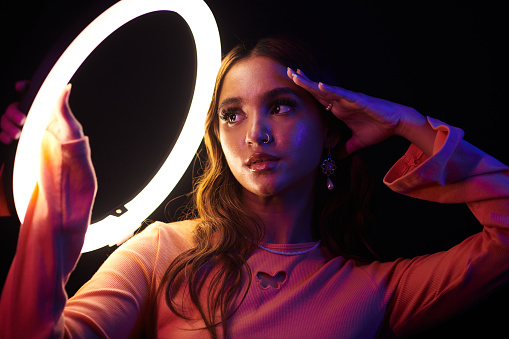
{"x":14,"y":133}
{"x":324,"y":86}
{"x":302,"y":74}
{"x":20,"y":119}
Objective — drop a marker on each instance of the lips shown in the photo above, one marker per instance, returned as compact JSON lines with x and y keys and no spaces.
{"x":261,"y":162}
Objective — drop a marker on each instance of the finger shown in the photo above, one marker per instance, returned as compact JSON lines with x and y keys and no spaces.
{"x":10,"y":129}
{"x":21,"y":86}
{"x":10,"y":135}
{"x":63,"y":104}
{"x":70,"y":128}
{"x":330,"y":96}
{"x":312,"y":87}
{"x":13,"y":114}
{"x":301,"y":79}
{"x":4,"y":138}
{"x":300,"y":75}
{"x":361,"y":101}
{"x":341,"y":92}
{"x":300,"y":72}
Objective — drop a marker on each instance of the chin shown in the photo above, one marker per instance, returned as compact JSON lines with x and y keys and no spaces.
{"x":269,"y":190}
{"x":263,"y":190}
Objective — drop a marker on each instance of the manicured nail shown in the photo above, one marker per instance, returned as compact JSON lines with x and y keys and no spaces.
{"x":293,"y":73}
{"x":19,"y":119}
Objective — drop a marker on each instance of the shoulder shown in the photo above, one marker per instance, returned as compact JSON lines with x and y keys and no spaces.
{"x":161,"y":240}
{"x":158,"y":244}
{"x":176,"y":235}
{"x":181,"y":231}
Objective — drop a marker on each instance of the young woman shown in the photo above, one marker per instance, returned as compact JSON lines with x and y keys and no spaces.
{"x":276,"y":246}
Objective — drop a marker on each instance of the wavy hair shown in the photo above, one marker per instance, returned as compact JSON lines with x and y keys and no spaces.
{"x":226,"y":232}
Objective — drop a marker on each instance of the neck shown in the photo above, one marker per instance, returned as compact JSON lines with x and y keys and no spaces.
{"x":287,"y":217}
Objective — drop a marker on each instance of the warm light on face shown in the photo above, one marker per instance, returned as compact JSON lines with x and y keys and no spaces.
{"x":113,"y":230}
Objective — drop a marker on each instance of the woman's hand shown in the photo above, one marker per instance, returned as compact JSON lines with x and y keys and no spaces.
{"x":371,"y":120}
{"x":63,"y":125}
{"x":13,"y":119}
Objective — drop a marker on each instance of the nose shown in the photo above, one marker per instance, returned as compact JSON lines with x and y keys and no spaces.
{"x":259,"y":132}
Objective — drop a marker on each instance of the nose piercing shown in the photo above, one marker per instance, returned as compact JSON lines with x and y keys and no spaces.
{"x":266,"y":140}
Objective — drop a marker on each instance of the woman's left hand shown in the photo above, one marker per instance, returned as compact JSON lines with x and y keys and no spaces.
{"x":371,"y":119}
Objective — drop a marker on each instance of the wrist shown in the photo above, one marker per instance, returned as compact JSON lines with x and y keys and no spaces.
{"x":414,"y":127}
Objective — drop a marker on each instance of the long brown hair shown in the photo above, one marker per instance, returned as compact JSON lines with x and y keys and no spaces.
{"x":226,"y":232}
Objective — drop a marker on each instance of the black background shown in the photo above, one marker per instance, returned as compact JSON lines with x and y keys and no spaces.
{"x":444,"y":59}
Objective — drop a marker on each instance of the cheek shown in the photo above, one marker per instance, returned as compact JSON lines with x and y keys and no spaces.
{"x":230,"y":146}
{"x":307,"y":140}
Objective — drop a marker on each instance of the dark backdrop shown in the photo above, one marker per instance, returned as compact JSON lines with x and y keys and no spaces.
{"x":444,"y":59}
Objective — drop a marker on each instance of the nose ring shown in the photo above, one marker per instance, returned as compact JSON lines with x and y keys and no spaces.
{"x":266,"y":140}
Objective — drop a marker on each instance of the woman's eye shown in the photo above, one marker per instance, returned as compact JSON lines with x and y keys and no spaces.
{"x":279,"y":109}
{"x":231,"y":116}
{"x":283,"y":105}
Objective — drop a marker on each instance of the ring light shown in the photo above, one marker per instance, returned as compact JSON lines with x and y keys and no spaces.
{"x":114,"y":230}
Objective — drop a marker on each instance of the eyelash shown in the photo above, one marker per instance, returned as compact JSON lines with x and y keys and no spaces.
{"x":228,"y":113}
{"x":283,"y":102}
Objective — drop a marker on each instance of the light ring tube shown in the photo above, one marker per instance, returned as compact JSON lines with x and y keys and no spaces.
{"x":113,"y":230}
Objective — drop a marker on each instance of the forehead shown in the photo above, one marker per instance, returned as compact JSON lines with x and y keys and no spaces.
{"x":254,"y":76}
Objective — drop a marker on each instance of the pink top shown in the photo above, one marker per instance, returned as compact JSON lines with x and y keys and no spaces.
{"x":311,"y":295}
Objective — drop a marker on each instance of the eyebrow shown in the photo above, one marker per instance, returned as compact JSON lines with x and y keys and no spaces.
{"x":267,"y":96}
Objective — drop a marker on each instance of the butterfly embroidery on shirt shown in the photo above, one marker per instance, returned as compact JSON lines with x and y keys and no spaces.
{"x":275,"y":281}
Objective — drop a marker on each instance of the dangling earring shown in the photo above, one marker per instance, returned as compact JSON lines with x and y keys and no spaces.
{"x":328,"y":168}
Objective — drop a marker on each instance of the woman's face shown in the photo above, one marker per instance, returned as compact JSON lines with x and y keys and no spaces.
{"x":270,"y":129}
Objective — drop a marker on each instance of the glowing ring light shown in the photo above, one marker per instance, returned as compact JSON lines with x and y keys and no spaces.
{"x":113,"y":230}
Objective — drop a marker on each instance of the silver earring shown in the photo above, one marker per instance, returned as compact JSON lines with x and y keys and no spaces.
{"x":267,"y":138}
{"x":328,"y":168}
